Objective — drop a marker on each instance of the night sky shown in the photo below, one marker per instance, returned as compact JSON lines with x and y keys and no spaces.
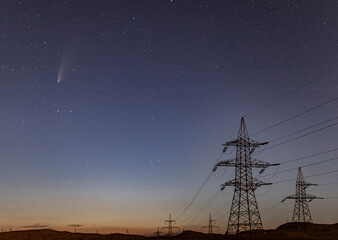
{"x":113,"y":113}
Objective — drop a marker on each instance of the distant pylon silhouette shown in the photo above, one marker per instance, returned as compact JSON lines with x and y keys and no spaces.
{"x":301,"y":212}
{"x":170,"y":225}
{"x":158,"y":232}
{"x":210,"y":226}
{"x":244,"y":213}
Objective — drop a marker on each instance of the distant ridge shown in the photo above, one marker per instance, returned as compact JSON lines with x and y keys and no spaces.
{"x":289,"y":231}
{"x":49,"y":234}
{"x":295,"y":231}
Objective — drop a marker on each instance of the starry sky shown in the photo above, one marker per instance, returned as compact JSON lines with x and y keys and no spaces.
{"x":113,"y":113}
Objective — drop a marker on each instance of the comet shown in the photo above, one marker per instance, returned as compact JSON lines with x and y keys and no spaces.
{"x":61,"y":72}
{"x":59,"y":79}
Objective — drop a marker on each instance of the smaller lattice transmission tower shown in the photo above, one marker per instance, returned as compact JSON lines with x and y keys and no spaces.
{"x":301,"y":212}
{"x":158,"y":232}
{"x":170,"y":226}
{"x":210,"y":226}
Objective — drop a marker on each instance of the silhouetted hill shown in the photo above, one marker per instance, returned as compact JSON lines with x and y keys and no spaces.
{"x":47,"y":234}
{"x":289,"y":231}
{"x":192,"y":235}
{"x":293,"y":231}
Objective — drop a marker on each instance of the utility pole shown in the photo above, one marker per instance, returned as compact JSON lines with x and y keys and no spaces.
{"x":210,"y":226}
{"x":301,"y":212}
{"x":158,"y":232}
{"x":244,"y":213}
{"x":170,"y":226}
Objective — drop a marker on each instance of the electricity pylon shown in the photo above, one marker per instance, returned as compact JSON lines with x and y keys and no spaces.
{"x":301,"y":212}
{"x":210,"y":226}
{"x":244,"y":213}
{"x":158,"y":232}
{"x":170,"y":225}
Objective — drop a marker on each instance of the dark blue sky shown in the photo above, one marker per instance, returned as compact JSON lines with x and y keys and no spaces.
{"x":114,"y":112}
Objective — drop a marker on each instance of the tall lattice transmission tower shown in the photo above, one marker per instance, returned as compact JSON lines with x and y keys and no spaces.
{"x":170,"y":226}
{"x":301,"y":212}
{"x":210,"y":226}
{"x":244,"y":213}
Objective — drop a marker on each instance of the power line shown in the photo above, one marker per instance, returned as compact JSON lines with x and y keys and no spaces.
{"x":300,"y":158}
{"x":273,"y":174}
{"x":222,"y":216}
{"x":312,"y":155}
{"x":326,"y":184}
{"x":297,"y":115}
{"x":314,"y":175}
{"x":205,"y":205}
{"x":320,"y":174}
{"x":227,"y":204}
{"x":269,"y":208}
{"x":290,"y":134}
{"x":279,"y":216}
{"x":225,"y":170}
{"x":304,"y":135}
{"x":199,"y":190}
{"x":292,"y":91}
{"x":266,"y":191}
{"x":308,"y":165}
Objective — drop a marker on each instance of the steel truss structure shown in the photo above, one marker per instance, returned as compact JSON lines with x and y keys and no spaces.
{"x":210,"y":226}
{"x":301,"y":212}
{"x":170,"y":226}
{"x":244,"y":213}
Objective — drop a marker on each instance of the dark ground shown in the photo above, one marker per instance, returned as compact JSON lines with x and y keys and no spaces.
{"x":290,"y":231}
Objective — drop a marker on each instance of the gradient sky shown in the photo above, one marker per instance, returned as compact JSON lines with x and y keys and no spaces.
{"x":113,"y":113}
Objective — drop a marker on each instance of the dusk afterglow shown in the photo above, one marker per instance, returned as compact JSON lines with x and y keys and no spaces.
{"x":113,"y":113}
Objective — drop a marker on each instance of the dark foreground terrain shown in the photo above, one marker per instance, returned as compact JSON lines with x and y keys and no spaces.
{"x":289,"y":231}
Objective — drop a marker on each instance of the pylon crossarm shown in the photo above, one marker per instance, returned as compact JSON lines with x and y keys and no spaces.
{"x":256,"y":185}
{"x":229,"y":183}
{"x":311,"y":197}
{"x":238,"y":142}
{"x":246,"y":142}
{"x":253,"y":185}
{"x":307,"y":184}
{"x":170,"y":221}
{"x":225,"y":163}
{"x":255,"y":144}
{"x":230,"y":143}
{"x":255,"y":163}
{"x":259,"y":183}
{"x":290,"y":197}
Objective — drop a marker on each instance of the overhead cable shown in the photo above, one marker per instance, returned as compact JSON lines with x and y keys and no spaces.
{"x":297,"y":115}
